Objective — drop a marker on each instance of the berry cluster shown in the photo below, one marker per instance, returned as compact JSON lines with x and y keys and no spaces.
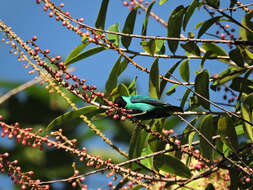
{"x":17,"y":176}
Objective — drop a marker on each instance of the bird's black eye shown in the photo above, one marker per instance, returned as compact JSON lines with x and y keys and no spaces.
{"x":120,"y":101}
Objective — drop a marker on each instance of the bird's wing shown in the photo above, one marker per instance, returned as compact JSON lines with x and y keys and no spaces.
{"x":147,"y":100}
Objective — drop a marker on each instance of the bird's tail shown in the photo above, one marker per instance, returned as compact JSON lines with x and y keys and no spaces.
{"x":174,"y":108}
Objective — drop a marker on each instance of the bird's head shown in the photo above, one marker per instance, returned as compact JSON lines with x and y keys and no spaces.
{"x":120,"y":101}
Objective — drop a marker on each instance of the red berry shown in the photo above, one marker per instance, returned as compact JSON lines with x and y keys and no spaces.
{"x":38,"y":1}
{"x":47,"y":51}
{"x":37,"y":49}
{"x":81,"y":19}
{"x":34,"y":38}
{"x":125,"y":3}
{"x":51,"y":14}
{"x":109,"y":183}
{"x":227,"y":26}
{"x":222,"y":36}
{"x":62,"y":5}
{"x":177,"y":142}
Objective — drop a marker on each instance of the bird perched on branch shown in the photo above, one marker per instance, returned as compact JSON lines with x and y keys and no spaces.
{"x":145,"y":107}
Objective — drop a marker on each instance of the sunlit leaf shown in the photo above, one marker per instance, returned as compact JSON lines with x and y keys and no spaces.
{"x":171,"y":90}
{"x":149,"y":46}
{"x":184,"y":71}
{"x":113,"y":37}
{"x":154,"y":80}
{"x":227,"y":75}
{"x":247,"y":21}
{"x":246,"y":115}
{"x":159,"y":47}
{"x":227,"y":132}
{"x":85,"y":54}
{"x":162,"y":2}
{"x":117,"y":69}
{"x":88,"y":111}
{"x":122,"y":90}
{"x":75,"y":52}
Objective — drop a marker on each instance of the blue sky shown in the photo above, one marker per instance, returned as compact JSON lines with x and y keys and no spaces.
{"x":28,"y":19}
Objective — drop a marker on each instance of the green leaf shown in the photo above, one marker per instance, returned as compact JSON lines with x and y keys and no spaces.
{"x":184,"y":71}
{"x":154,"y":80}
{"x":191,"y":48}
{"x":247,"y":21}
{"x":162,"y":2}
{"x":132,"y":87}
{"x":75,"y":52}
{"x":236,"y":56}
{"x":227,"y":75}
{"x":117,"y":69}
{"x":213,"y":3}
{"x":167,"y":75}
{"x":145,"y":23}
{"x":100,"y":22}
{"x":153,"y":143}
{"x":189,"y":12}
{"x":85,"y":54}
{"x":206,"y":55}
{"x":227,"y":132}
{"x":149,"y":46}
{"x":174,"y":27}
{"x":129,"y":27}
{"x":113,"y":37}
{"x":249,"y":53}
{"x":137,"y":144}
{"x":171,"y":90}
{"x":240,"y":84}
{"x":170,"y":164}
{"x":206,"y":25}
{"x":202,"y":88}
{"x":88,"y":111}
{"x":208,"y":130}
{"x":184,"y":99}
{"x":215,"y":50}
{"x":159,"y":47}
{"x":122,"y":90}
{"x":246,"y":115}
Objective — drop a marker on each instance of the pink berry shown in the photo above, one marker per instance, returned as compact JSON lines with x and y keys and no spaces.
{"x":62,"y":5}
{"x":227,"y":26}
{"x":34,"y":38}
{"x":51,"y":14}
{"x":125,"y":3}
{"x":81,"y":19}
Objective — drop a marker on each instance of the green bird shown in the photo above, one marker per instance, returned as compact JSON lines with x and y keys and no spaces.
{"x":145,"y":107}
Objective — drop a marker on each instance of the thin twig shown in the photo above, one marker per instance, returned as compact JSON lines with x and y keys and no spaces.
{"x":20,"y":88}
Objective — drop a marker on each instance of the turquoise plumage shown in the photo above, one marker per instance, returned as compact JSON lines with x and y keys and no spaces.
{"x":145,"y":107}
